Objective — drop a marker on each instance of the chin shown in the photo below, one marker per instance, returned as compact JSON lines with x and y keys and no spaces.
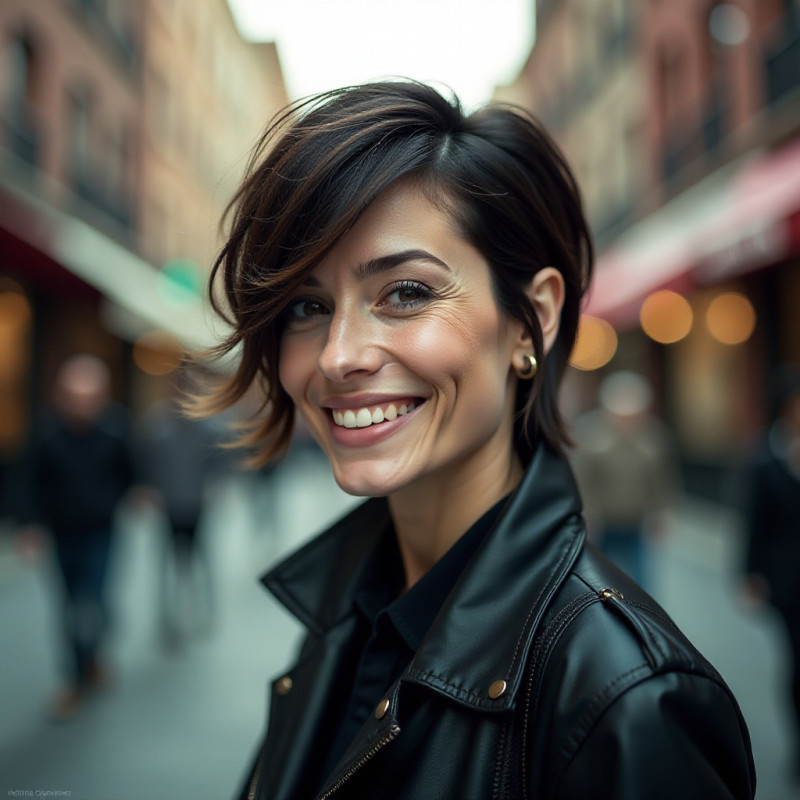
{"x":365,"y":480}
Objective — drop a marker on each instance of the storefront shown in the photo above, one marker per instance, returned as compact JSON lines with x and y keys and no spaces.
{"x":66,"y":287}
{"x":709,"y":287}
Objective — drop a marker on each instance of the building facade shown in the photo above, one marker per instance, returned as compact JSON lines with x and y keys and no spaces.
{"x":124,"y":128}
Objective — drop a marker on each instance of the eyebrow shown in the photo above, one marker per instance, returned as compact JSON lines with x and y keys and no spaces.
{"x":375,"y":266}
{"x":383,"y":263}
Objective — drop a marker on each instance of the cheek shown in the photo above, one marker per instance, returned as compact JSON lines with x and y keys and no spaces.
{"x":291,"y":369}
{"x":468,"y":349}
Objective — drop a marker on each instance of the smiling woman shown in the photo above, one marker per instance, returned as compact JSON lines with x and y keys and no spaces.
{"x":408,"y":279}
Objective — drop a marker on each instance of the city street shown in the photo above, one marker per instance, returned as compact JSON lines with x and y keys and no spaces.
{"x":181,"y":722}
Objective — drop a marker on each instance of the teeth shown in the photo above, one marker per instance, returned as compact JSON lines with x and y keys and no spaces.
{"x":363,"y":417}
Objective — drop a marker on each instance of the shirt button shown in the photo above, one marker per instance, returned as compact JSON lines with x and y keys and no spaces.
{"x":497,"y":689}
{"x":284,"y":685}
{"x":380,"y":711}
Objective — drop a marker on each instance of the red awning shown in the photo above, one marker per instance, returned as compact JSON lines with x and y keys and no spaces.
{"x":742,"y":218}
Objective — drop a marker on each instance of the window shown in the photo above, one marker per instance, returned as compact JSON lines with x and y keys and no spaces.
{"x":17,"y":82}
{"x":79,"y":136}
{"x":18,"y":65}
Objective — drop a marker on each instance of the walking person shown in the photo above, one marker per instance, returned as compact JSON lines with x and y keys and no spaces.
{"x":409,"y":279}
{"x":177,"y":460}
{"x":773,"y":517}
{"x":79,"y":469}
{"x":628,"y":471}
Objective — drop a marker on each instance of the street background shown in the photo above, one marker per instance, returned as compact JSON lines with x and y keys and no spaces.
{"x":125,"y":129}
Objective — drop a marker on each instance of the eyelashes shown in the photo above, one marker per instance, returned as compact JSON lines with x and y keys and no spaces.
{"x":409,"y":295}
{"x":398,"y":297}
{"x":304,"y":308}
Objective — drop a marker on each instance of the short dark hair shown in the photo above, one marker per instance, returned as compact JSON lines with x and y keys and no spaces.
{"x":324,"y":160}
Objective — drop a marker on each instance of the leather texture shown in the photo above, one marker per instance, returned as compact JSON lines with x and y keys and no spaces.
{"x":603,"y":697}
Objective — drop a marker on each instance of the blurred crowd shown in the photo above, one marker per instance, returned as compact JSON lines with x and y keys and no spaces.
{"x":86,"y":455}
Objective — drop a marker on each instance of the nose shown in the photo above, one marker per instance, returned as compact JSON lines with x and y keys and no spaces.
{"x":350,"y":348}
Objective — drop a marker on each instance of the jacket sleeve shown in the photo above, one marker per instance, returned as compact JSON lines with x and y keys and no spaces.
{"x":672,"y":735}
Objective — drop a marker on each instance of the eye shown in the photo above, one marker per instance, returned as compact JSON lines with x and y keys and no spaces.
{"x":305,"y":308}
{"x":407,"y":294}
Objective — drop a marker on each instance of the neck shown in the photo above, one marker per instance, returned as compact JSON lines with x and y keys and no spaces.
{"x":432,"y":514}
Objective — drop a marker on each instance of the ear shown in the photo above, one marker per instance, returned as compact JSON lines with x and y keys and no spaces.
{"x":546,"y":293}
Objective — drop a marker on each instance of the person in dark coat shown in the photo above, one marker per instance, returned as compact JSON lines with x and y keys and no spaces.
{"x":773,"y":555}
{"x":409,"y":279}
{"x":79,"y":469}
{"x":177,"y":459}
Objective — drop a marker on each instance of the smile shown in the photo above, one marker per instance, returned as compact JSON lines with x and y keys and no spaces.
{"x":365,"y":417}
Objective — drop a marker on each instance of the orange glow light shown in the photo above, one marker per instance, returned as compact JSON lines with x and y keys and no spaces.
{"x":15,"y":311}
{"x":595,"y":344}
{"x":666,"y":317}
{"x":731,"y":318}
{"x":157,"y":353}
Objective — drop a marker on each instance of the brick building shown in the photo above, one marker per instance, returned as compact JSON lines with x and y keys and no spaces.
{"x":123,"y":129}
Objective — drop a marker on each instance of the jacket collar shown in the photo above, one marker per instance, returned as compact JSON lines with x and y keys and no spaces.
{"x":512,"y":578}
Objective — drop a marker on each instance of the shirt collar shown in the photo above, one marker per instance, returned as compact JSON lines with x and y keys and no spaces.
{"x":412,"y":612}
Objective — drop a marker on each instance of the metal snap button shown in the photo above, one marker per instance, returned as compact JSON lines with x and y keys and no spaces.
{"x":284,"y":685}
{"x":497,"y":689}
{"x":380,"y":711}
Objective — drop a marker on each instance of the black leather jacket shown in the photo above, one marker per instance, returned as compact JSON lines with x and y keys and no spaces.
{"x":546,"y":674}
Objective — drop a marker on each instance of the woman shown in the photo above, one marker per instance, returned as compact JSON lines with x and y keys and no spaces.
{"x":409,"y":278}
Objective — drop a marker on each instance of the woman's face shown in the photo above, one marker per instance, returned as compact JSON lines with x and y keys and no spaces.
{"x":397,"y":356}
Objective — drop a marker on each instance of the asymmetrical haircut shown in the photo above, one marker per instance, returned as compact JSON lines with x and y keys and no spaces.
{"x":319,"y":165}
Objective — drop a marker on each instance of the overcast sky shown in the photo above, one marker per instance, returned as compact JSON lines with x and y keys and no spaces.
{"x":468,"y":45}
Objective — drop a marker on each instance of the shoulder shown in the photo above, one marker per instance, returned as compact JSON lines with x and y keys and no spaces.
{"x":618,"y":678}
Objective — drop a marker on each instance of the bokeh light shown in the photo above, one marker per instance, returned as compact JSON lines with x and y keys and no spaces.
{"x":595,"y":344}
{"x":15,"y":312}
{"x":157,"y":353}
{"x":731,"y":318}
{"x":666,"y":316}
{"x":180,"y":282}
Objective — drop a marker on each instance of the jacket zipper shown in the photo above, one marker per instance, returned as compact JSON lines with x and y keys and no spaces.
{"x":539,"y":658}
{"x":251,"y":794}
{"x":392,"y":733}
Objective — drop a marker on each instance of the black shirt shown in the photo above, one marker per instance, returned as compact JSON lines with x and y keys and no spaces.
{"x":392,"y":624}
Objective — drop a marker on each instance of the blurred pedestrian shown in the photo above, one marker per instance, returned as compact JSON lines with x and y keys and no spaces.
{"x":409,"y":278}
{"x":627,"y":467}
{"x":176,"y":457}
{"x":78,"y":470}
{"x":773,"y":517}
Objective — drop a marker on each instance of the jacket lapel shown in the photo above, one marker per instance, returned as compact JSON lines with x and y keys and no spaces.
{"x":511,"y":580}
{"x":316,"y":585}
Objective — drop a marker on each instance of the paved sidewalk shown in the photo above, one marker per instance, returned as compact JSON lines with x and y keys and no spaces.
{"x":697,"y":580}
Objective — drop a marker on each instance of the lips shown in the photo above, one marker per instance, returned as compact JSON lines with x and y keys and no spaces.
{"x":366,"y":416}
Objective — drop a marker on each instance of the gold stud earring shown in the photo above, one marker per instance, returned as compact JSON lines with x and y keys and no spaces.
{"x":529,"y":368}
